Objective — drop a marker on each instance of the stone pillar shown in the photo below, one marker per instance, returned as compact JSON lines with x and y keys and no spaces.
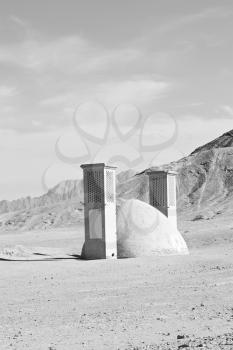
{"x":99,"y":211}
{"x":162,"y":193}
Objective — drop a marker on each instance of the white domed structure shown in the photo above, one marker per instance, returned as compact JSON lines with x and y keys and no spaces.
{"x":143,"y":230}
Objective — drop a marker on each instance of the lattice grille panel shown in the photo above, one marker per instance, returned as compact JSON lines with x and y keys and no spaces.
{"x":109,"y":187}
{"x":159,"y":191}
{"x":94,"y":186}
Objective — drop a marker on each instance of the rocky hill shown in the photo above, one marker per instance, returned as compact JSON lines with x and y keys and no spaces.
{"x":225,"y":140}
{"x":204,"y":190}
{"x":66,"y":190}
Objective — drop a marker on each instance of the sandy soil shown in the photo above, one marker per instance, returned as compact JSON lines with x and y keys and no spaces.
{"x":144,"y":303}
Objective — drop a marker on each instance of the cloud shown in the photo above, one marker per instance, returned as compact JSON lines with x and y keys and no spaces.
{"x":138,"y":91}
{"x":8,"y":109}
{"x":58,"y":74}
{"x":7,"y":91}
{"x":18,"y":21}
{"x":70,"y":54}
{"x":191,"y":18}
{"x":59,"y":100}
{"x":228,"y":110}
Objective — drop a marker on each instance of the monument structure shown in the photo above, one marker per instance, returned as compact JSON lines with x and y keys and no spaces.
{"x":162,"y":193}
{"x":99,"y":211}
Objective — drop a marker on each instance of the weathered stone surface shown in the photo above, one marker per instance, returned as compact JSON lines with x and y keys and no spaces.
{"x":143,"y":230}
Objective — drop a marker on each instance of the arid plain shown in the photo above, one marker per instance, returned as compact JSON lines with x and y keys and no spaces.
{"x":61,"y":302}
{"x":51,"y":299}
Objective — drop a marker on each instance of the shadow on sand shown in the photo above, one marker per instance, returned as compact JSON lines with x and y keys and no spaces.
{"x":44,"y":257}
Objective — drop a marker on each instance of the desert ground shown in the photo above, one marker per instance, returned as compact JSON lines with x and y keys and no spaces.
{"x":57,"y":301}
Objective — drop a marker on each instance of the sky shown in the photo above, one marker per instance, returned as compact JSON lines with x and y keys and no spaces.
{"x":136,"y":82}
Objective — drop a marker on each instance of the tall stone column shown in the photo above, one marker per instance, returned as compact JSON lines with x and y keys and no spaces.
{"x":162,"y":193}
{"x":100,"y":211}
